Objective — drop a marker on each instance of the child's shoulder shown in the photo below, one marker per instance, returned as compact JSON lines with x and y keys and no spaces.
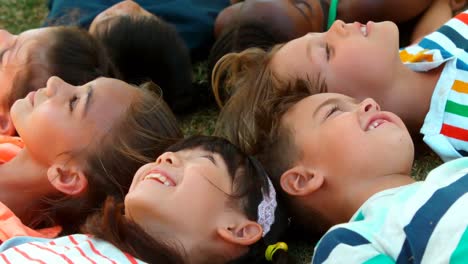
{"x":449,"y":172}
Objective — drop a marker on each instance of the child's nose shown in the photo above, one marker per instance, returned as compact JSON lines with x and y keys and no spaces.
{"x":369,"y":105}
{"x":128,"y":6}
{"x":339,"y":28}
{"x":54,"y":84}
{"x":168,"y":158}
{"x":5,"y":38}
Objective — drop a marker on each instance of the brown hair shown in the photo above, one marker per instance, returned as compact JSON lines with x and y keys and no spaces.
{"x":252,"y":117}
{"x":249,"y":179}
{"x":71,"y":53}
{"x":146,"y":129}
{"x":246,"y":80}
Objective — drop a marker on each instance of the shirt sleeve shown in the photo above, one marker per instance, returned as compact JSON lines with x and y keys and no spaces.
{"x":342,"y":244}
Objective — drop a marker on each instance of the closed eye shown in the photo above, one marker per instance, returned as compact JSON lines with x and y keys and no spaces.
{"x":211,"y":158}
{"x":327,"y":51}
{"x":331,"y":111}
{"x":72,"y":103}
{"x":2,"y":54}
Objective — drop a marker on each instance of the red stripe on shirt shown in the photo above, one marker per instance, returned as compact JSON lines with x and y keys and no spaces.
{"x":72,"y":239}
{"x":454,"y":132}
{"x":84,"y":255}
{"x":93,"y":248}
{"x":26,"y":256}
{"x":130,"y":258}
{"x":53,"y":252}
{"x":5,"y":259}
{"x":463,"y":17}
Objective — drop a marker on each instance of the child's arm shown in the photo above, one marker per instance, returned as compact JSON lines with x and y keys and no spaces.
{"x":439,"y":12}
{"x":381,"y":10}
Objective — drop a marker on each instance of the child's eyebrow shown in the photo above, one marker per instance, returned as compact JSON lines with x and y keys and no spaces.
{"x":212,"y":159}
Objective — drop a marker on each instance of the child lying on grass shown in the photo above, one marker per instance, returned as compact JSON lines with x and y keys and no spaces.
{"x":77,"y":145}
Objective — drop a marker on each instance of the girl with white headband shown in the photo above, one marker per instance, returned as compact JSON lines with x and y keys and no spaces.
{"x":203,"y":201}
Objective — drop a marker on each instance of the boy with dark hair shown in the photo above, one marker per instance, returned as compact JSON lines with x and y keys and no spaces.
{"x":346,"y":164}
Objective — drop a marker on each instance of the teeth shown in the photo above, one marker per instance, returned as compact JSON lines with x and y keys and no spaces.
{"x":375,"y":124}
{"x":158,"y":176}
{"x":364,"y":30}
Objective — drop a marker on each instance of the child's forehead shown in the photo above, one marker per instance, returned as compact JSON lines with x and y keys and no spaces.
{"x":217,"y":156}
{"x":310,"y":106}
{"x":202,"y":150}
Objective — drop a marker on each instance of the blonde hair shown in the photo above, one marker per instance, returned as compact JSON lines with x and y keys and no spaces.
{"x":246,"y":80}
{"x":251,"y":117}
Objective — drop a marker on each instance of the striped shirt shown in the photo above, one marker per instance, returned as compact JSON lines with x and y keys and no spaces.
{"x":445,"y":127}
{"x":423,"y":222}
{"x":76,"y":248}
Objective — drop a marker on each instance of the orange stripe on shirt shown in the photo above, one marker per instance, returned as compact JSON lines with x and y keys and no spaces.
{"x":405,"y":56}
{"x":459,"y":86}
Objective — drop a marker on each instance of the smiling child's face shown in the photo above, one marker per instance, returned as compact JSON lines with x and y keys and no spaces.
{"x":342,"y":137}
{"x":357,"y":60}
{"x":181,"y":193}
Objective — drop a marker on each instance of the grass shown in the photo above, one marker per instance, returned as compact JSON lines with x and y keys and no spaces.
{"x":19,"y":15}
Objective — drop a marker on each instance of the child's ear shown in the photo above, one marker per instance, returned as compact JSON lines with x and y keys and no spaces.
{"x":6,"y":126}
{"x":300,"y":181}
{"x":243,"y":233}
{"x":68,"y":179}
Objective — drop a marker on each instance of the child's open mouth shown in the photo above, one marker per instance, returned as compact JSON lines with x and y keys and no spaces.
{"x":156,"y":176}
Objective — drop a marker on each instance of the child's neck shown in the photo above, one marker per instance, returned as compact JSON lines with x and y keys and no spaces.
{"x":356,"y":197}
{"x":415,"y":91}
{"x":23,"y":181}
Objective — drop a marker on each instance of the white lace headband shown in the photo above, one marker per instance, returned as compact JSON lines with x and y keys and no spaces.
{"x":266,"y":209}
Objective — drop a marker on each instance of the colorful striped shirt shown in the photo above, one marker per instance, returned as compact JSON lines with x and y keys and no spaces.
{"x":76,"y":248}
{"x":423,"y":222}
{"x":445,"y":127}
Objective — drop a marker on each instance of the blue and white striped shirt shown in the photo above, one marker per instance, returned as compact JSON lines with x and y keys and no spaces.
{"x":423,"y":222}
